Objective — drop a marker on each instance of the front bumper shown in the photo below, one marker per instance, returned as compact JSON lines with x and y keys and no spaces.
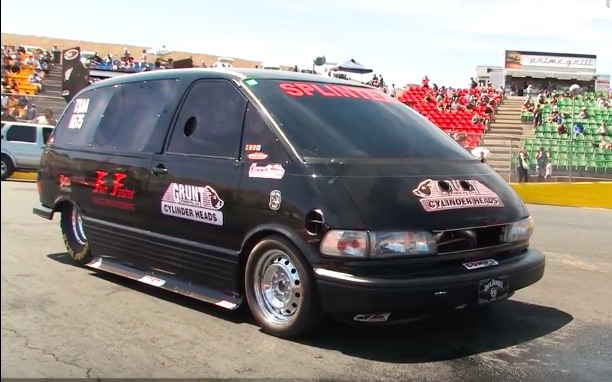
{"x":342,"y":293}
{"x":43,"y":212}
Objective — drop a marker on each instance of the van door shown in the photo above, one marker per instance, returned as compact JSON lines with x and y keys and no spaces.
{"x":194,"y":187}
{"x":106,"y":142}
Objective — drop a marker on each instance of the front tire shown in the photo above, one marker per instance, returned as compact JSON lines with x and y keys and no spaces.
{"x":6,"y":166}
{"x":280,"y":289}
{"x":74,"y":236}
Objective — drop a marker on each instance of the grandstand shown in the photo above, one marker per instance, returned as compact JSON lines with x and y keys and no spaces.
{"x":29,"y":82}
{"x":590,"y":151}
{"x":473,"y":117}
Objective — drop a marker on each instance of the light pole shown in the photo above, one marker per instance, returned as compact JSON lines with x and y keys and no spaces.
{"x":574,"y":91}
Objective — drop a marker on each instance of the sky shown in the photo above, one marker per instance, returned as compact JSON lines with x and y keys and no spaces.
{"x":402,"y":40}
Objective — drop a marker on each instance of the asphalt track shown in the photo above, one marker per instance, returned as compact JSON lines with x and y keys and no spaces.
{"x":62,"y":321}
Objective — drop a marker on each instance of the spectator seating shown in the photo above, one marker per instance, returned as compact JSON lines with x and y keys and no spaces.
{"x":453,"y":121}
{"x":20,"y":80}
{"x":17,"y":105}
{"x":585,"y":152}
{"x":110,"y":66}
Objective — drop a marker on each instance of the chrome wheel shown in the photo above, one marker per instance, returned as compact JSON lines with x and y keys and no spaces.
{"x":277,"y":287}
{"x":77,"y":227}
{"x":3,"y":168}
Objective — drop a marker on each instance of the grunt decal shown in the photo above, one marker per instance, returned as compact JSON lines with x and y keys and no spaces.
{"x":271,"y":171}
{"x":443,"y":195}
{"x":197,"y":203}
{"x":275,"y":200}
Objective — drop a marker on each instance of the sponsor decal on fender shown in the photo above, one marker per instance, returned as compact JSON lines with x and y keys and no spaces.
{"x":270,"y":171}
{"x":275,"y":200}
{"x":480,"y":264}
{"x":65,"y":184}
{"x":71,"y":54}
{"x":380,"y":317}
{"x":257,"y":156}
{"x":197,"y":203}
{"x":444,"y":195}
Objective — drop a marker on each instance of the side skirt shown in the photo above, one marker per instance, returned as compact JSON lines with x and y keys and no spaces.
{"x":224,"y":300}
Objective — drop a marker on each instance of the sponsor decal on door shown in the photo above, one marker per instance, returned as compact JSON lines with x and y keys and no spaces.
{"x":271,"y":171}
{"x":197,"y":203}
{"x":110,"y":191}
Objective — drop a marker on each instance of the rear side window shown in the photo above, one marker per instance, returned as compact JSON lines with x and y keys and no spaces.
{"x":324,"y":120}
{"x":259,"y":142}
{"x":133,"y":113}
{"x":82,"y":117}
{"x":21,"y":133}
{"x":210,"y":121}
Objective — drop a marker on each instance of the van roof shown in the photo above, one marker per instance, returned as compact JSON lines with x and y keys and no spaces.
{"x":192,"y":74}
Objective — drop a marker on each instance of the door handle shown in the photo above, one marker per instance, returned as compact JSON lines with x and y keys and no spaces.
{"x":160,"y":170}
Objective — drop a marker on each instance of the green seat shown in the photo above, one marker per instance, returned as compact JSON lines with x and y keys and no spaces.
{"x":592,"y":165}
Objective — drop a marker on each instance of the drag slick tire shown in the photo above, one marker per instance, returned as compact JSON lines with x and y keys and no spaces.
{"x":280,"y":290}
{"x":7,"y":167}
{"x":74,"y":235}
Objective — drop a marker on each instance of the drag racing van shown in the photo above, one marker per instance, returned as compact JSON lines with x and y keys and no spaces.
{"x":298,"y":195}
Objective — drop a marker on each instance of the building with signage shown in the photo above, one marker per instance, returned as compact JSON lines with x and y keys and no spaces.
{"x":545,"y":70}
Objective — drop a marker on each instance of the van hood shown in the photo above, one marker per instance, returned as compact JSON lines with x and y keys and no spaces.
{"x":430,"y":195}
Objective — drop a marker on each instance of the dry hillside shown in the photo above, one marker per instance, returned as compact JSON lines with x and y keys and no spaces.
{"x":116,"y":49}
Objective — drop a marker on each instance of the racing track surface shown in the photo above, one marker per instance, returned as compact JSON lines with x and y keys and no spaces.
{"x":62,"y":321}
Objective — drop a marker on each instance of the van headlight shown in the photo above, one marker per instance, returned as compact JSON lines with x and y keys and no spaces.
{"x":363,"y":244}
{"x":519,"y":231}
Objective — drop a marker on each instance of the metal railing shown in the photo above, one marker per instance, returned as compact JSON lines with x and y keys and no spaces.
{"x":573,"y":159}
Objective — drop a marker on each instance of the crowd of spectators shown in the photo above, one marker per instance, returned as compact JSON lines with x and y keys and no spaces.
{"x":23,"y":75}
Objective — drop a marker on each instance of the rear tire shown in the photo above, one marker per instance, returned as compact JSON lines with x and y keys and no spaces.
{"x":74,"y":236}
{"x":7,"y":167}
{"x":280,"y":289}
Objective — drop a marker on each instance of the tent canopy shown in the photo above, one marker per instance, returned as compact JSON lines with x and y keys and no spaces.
{"x":353,"y":66}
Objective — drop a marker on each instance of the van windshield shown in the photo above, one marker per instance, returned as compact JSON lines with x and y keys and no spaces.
{"x":323,"y":120}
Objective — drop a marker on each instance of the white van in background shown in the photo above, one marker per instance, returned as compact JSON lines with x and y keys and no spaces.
{"x":269,"y":66}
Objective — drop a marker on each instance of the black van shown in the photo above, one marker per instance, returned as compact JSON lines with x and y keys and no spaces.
{"x":298,"y":194}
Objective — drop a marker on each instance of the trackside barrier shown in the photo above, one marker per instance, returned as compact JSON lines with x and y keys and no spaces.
{"x":23,"y":176}
{"x":579,"y":194}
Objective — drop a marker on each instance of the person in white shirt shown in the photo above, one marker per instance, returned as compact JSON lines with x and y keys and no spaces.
{"x":392,"y":91}
{"x":548,"y":174}
{"x":46,"y":119}
{"x":481,"y":153}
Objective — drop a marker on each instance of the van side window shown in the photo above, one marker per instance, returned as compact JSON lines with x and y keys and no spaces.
{"x":210,"y":121}
{"x":259,"y":142}
{"x":47,"y":132}
{"x":20,"y":133}
{"x":133,"y":114}
{"x":82,"y":117}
